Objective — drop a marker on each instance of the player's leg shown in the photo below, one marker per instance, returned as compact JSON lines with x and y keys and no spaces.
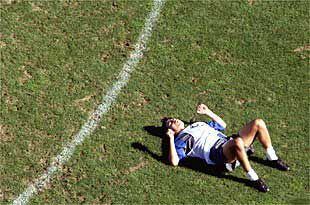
{"x":255,"y":129}
{"x":258,"y":129}
{"x":234,"y":149}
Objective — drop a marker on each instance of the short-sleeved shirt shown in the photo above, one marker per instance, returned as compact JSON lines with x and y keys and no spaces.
{"x":197,"y":139}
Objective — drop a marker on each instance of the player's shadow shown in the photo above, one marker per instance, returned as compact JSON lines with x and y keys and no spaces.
{"x":195,"y":164}
{"x":261,"y":161}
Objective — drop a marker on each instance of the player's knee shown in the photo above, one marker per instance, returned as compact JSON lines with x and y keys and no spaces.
{"x":239,"y":144}
{"x":259,"y":123}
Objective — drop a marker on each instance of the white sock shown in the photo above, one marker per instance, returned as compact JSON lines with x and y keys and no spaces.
{"x":252,"y":175}
{"x":229,"y":166}
{"x":237,"y":163}
{"x":271,"y":154}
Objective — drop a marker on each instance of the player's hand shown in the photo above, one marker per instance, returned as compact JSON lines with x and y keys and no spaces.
{"x":203,"y":109}
{"x":170,"y":133}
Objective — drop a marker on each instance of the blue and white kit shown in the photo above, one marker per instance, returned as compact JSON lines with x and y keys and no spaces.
{"x":198,"y":139}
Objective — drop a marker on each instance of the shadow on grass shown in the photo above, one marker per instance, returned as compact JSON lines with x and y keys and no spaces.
{"x":262,"y":161}
{"x":196,"y":164}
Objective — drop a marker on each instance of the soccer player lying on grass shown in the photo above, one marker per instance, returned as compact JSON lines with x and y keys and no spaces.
{"x":206,"y":141}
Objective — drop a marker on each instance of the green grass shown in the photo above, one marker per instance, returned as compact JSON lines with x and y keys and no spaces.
{"x":59,"y":58}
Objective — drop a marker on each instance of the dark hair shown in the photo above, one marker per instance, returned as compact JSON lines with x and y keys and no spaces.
{"x":164,"y":123}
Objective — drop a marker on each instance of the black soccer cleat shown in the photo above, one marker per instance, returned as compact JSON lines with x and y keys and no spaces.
{"x":279,"y":164}
{"x":260,"y":185}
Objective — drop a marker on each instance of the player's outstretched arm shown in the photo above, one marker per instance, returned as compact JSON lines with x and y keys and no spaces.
{"x":204,"y":110}
{"x":173,"y":156}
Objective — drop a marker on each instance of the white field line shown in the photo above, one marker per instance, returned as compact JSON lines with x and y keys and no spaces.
{"x":93,"y":121}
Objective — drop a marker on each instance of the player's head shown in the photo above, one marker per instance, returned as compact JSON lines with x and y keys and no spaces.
{"x":172,"y":123}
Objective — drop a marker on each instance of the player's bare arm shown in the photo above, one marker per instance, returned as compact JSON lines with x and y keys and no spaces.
{"x":204,"y":110}
{"x":173,"y":156}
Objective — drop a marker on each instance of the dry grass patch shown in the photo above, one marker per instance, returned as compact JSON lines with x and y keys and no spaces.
{"x":223,"y":57}
{"x":81,"y":102}
{"x":302,"y":48}
{"x":251,"y":2}
{"x":136,"y":167}
{"x":25,"y":77}
{"x":5,"y":135}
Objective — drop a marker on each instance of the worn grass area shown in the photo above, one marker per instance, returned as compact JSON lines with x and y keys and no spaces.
{"x":245,"y":59}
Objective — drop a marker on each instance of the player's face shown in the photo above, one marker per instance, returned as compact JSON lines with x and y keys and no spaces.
{"x":175,"y":124}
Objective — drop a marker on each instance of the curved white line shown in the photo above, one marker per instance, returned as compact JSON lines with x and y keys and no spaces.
{"x":95,"y":117}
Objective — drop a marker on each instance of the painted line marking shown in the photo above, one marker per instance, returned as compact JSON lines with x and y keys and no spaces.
{"x":93,"y":121}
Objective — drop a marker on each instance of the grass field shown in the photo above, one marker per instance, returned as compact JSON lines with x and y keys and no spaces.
{"x":244,"y":59}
